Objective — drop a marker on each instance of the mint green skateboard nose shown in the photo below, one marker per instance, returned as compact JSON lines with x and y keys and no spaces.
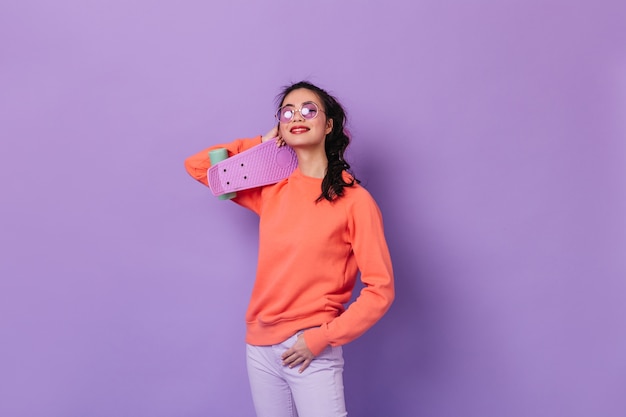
{"x":218,"y":155}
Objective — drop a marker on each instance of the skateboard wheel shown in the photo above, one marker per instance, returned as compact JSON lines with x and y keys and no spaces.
{"x":218,"y":155}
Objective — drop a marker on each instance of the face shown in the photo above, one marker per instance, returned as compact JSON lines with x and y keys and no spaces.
{"x":303,"y":131}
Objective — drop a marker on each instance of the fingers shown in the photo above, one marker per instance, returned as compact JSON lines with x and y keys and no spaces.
{"x":294,"y":360}
{"x":298,"y":354}
{"x":305,"y":365}
{"x":287,"y":354}
{"x":270,"y":135}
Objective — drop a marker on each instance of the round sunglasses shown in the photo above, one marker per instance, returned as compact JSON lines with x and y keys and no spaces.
{"x":308,"y":111}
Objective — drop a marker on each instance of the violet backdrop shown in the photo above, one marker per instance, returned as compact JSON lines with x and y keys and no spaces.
{"x":492,"y":134}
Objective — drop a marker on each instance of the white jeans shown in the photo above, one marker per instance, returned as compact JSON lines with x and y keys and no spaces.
{"x":278,"y":391}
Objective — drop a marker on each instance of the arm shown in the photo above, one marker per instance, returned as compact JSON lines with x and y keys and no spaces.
{"x":198,"y":164}
{"x":374,"y":262}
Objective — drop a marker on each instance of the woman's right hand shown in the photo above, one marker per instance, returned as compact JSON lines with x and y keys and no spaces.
{"x":273,"y":134}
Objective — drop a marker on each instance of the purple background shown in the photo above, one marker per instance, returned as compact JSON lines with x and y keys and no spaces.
{"x":492,"y":134}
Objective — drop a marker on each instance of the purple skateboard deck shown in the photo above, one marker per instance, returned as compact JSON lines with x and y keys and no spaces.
{"x":261,"y":165}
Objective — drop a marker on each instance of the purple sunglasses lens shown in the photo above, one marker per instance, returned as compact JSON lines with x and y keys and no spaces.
{"x":307,"y":111}
{"x":286,"y":114}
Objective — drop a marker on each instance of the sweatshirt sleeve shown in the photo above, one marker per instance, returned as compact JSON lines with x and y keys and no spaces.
{"x":374,"y":263}
{"x":198,"y":164}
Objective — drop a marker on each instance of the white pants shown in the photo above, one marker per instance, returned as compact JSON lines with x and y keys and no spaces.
{"x":278,"y":391}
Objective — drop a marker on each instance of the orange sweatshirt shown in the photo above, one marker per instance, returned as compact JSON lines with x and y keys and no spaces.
{"x":309,"y":256}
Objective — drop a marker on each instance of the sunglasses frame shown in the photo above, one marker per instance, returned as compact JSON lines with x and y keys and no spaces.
{"x":278,"y":114}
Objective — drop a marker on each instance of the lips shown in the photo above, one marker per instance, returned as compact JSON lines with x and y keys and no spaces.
{"x":299,"y":129}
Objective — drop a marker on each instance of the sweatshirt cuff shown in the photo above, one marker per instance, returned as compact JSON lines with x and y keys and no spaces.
{"x":315,"y":340}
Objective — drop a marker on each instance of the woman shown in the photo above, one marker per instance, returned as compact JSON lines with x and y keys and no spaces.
{"x":317,"y":229}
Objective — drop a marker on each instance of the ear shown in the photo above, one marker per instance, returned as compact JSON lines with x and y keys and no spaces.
{"x":329,"y":126}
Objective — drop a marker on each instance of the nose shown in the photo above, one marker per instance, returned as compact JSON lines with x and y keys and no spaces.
{"x":297,"y":115}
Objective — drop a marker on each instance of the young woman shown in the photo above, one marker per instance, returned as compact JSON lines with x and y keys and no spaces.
{"x":317,"y":229}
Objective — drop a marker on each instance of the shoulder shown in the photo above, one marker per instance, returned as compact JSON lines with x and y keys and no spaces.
{"x":362,"y":212}
{"x":357,"y":191}
{"x":357,"y":197}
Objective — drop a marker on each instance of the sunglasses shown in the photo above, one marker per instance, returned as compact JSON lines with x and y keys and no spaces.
{"x":308,"y":111}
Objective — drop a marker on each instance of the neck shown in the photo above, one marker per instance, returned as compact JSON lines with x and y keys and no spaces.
{"x":312,"y":163}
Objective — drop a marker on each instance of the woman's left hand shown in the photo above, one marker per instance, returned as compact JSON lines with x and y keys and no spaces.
{"x":298,"y":354}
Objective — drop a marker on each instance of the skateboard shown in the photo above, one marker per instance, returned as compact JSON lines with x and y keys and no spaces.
{"x":260,"y":165}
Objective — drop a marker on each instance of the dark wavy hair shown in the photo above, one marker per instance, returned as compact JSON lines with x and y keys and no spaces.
{"x":336,"y":141}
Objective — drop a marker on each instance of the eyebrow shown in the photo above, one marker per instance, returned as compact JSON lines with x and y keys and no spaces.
{"x":306,"y":102}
